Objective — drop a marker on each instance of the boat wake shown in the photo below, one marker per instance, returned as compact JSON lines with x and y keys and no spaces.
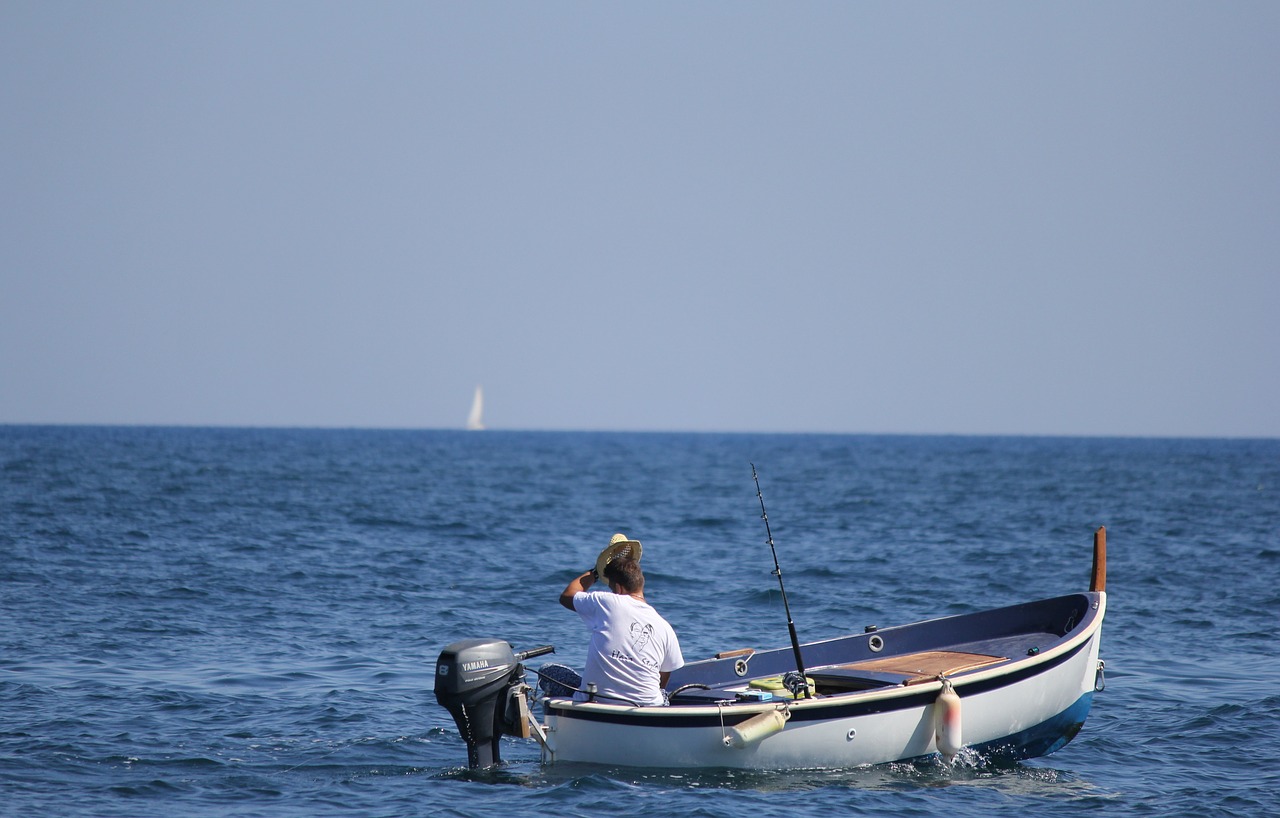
{"x":970,"y":768}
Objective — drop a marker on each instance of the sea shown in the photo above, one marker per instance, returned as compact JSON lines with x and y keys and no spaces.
{"x":245,"y":622}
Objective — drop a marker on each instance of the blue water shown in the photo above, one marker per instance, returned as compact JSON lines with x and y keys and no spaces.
{"x":245,"y":622}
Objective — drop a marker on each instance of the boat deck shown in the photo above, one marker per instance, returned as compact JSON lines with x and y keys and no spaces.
{"x":889,"y":671}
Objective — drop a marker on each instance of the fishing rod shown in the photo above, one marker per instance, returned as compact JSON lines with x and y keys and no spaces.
{"x":777,"y":572}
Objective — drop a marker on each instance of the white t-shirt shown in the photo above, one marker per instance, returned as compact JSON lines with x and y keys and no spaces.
{"x":630,"y":645}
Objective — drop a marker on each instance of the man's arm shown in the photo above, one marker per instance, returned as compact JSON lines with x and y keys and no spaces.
{"x":576,"y":586}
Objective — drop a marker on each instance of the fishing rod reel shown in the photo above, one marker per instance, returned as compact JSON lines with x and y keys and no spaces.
{"x":481,"y":683}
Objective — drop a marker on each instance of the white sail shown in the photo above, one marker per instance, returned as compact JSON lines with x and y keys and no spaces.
{"x":474,"y":420}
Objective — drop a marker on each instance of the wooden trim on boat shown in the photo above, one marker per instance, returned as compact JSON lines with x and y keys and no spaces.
{"x":927,"y":665}
{"x":1099,"y":580}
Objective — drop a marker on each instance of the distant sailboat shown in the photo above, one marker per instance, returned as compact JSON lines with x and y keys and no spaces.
{"x":474,"y":421}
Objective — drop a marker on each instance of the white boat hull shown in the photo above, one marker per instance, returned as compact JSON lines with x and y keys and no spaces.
{"x":1023,"y":708}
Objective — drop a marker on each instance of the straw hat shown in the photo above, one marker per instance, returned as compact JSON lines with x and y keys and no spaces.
{"x":620,"y":545}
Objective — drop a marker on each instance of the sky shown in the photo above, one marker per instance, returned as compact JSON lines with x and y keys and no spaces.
{"x":844,"y":217}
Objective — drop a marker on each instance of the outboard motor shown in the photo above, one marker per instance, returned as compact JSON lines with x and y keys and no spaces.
{"x":474,"y":678}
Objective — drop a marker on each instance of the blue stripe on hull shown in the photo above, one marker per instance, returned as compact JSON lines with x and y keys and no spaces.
{"x":1043,"y":739}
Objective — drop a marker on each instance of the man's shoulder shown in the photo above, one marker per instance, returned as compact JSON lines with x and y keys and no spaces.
{"x":649,"y":613}
{"x":591,"y":599}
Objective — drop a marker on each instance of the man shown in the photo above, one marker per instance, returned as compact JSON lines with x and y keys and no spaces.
{"x":633,"y":650}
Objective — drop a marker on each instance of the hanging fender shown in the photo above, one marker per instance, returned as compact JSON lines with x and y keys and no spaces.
{"x":946,"y":721}
{"x":757,"y":728}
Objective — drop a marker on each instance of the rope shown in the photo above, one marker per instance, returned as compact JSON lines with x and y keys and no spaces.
{"x":326,"y":755}
{"x":561,"y":683}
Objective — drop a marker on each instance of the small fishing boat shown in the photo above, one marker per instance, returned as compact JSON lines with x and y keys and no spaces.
{"x":1011,"y":683}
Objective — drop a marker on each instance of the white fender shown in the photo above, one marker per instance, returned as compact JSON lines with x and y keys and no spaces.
{"x":756,"y":728}
{"x":946,"y":722}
